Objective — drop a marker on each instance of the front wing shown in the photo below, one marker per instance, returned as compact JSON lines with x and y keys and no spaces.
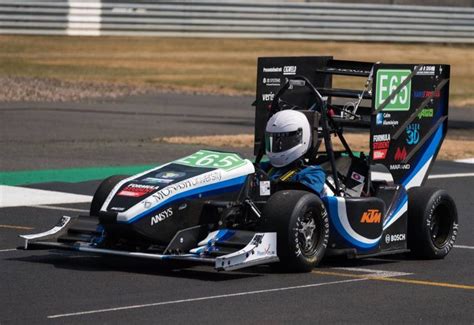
{"x":261,"y":249}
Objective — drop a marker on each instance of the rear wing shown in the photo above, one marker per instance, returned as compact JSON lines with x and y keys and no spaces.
{"x":404,"y":107}
{"x":410,"y":111}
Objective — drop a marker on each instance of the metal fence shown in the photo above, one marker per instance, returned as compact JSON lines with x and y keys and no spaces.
{"x":242,"y":19}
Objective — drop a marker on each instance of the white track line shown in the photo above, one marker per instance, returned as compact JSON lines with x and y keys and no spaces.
{"x":451,"y":175}
{"x":466,"y":161}
{"x":7,"y":250}
{"x":171,"y":302}
{"x":373,"y":272}
{"x":14,"y":196}
{"x":464,"y":246}
{"x":51,"y":207}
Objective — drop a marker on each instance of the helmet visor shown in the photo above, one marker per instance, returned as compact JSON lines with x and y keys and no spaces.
{"x":282,"y":141}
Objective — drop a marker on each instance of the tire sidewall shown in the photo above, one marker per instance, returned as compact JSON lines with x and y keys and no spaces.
{"x":423,"y":202}
{"x":308,"y":202}
{"x":433,"y":204}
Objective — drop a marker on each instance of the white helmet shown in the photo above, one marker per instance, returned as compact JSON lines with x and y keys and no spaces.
{"x":287,"y":137}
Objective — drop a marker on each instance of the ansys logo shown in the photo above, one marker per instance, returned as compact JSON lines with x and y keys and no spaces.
{"x":387,"y":81}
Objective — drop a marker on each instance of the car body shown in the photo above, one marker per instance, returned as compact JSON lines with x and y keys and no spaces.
{"x":218,"y":208}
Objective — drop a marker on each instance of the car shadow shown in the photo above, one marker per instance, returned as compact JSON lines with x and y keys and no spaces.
{"x":95,"y":263}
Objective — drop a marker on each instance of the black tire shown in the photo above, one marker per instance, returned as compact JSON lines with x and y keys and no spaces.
{"x":103,"y":191}
{"x":432,"y":223}
{"x":287,"y":213}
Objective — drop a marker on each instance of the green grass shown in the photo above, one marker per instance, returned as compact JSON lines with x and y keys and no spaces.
{"x":225,"y":66}
{"x":71,"y":175}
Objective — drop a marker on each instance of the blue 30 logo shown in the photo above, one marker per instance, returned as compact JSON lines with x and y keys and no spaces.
{"x":413,"y":133}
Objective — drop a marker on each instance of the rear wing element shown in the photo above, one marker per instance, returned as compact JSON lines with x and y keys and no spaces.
{"x":404,"y":107}
{"x":409,"y":118}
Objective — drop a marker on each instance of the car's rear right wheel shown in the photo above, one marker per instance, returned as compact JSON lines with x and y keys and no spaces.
{"x":432,"y":222}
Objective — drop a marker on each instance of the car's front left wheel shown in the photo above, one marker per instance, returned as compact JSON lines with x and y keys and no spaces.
{"x":301,"y":222}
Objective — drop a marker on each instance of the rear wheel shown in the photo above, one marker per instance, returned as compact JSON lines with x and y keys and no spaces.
{"x":432,"y":223}
{"x":103,"y":191}
{"x":301,"y":222}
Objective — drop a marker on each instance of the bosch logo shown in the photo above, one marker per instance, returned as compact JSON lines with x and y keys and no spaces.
{"x":395,"y":238}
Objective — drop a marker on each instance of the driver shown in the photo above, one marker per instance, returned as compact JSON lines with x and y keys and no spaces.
{"x":287,"y":139}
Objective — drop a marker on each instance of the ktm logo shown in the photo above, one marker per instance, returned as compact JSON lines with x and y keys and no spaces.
{"x":371,"y":216}
{"x":400,"y":154}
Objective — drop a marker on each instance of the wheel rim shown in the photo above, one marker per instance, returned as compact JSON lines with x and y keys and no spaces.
{"x":441,"y":225}
{"x":308,"y":233}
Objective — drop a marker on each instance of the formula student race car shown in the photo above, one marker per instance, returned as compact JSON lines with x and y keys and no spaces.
{"x":217,"y":208}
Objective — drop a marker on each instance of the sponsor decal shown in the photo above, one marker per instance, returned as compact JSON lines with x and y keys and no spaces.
{"x":164,"y":177}
{"x":413,"y":133}
{"x":426,"y":70}
{"x":171,"y":175}
{"x":357,"y":177}
{"x":380,"y":144}
{"x":265,"y":188}
{"x":170,"y":190}
{"x":268,"y":97}
{"x":425,"y":112}
{"x":395,"y":238}
{"x":137,"y":190}
{"x":426,"y":93}
{"x":271,"y":81}
{"x":371,"y":216}
{"x":384,"y":119}
{"x":165,"y":214}
{"x":400,"y":154}
{"x":289,"y":69}
{"x":381,"y":137}
{"x":272,"y":69}
{"x":387,"y":81}
{"x":379,"y":119}
{"x":266,"y":251}
{"x":399,"y":167}
{"x":153,"y":180}
{"x":379,"y":154}
{"x":212,"y":159}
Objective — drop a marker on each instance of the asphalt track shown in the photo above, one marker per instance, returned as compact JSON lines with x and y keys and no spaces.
{"x":51,"y":286}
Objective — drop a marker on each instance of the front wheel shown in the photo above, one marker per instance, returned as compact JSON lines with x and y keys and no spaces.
{"x":432,"y":223}
{"x":301,"y":222}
